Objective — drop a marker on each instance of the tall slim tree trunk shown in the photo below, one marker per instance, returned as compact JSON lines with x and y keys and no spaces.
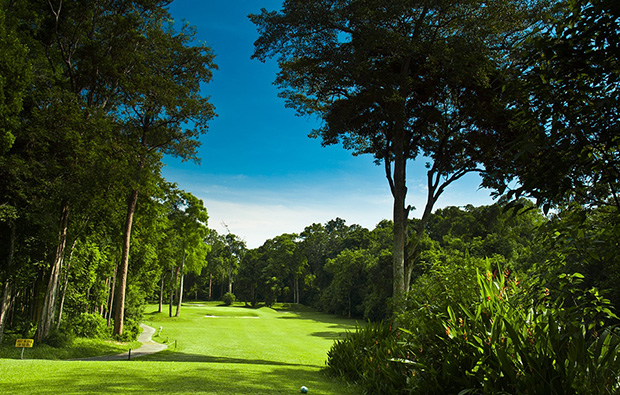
{"x":210,"y":286}
{"x":173,"y":285}
{"x":119,"y":315}
{"x":5,"y":305}
{"x":66,"y":283}
{"x":400,"y":213}
{"x":103,"y":310}
{"x":112,"y":288}
{"x":5,"y":302}
{"x":161,"y":293}
{"x":296,"y":290}
{"x":49,"y":304}
{"x":180,"y":299}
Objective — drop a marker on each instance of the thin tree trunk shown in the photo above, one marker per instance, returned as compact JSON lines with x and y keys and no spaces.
{"x":5,"y":305}
{"x":49,"y":304}
{"x":173,"y":281}
{"x":296,"y":290}
{"x":180,"y":299}
{"x":161,"y":293}
{"x":112,"y":288}
{"x":119,"y":315}
{"x":210,"y":286}
{"x":400,"y":213}
{"x":5,"y":302}
{"x":64,"y":287}
{"x":102,"y":310}
{"x":180,"y":296}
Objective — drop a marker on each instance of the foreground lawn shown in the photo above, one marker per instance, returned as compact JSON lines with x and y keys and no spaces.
{"x":220,"y":350}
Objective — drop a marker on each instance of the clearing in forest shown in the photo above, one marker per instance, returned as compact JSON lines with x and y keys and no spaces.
{"x":217,"y":351}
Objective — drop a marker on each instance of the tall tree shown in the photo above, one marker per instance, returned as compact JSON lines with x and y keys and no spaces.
{"x":16,"y":72}
{"x":65,"y":119}
{"x":568,"y":147}
{"x":163,"y":112}
{"x":400,"y":80}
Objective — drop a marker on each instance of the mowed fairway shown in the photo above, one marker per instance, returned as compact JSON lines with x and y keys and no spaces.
{"x":220,"y":350}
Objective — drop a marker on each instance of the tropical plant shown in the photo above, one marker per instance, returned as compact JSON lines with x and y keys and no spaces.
{"x":515,"y":339}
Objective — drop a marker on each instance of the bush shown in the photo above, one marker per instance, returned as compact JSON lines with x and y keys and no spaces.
{"x":59,"y":338}
{"x":376,"y":356}
{"x":131,"y":330}
{"x":516,"y":340}
{"x":228,"y":298}
{"x":497,"y":335}
{"x":89,"y":326}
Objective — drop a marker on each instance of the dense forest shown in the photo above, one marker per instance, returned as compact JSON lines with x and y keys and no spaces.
{"x":514,"y":297}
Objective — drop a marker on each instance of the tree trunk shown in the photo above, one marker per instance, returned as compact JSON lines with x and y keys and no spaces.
{"x":399,"y":192}
{"x":49,"y":305}
{"x":66,"y":283}
{"x":210,"y":286}
{"x":5,"y":304}
{"x":180,"y":296}
{"x":296,"y":290}
{"x":111,"y":296}
{"x":119,"y":315}
{"x":173,"y":282}
{"x":180,"y":299}
{"x":161,"y":294}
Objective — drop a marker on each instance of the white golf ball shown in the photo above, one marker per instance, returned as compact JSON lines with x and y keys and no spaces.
{"x":304,"y":389}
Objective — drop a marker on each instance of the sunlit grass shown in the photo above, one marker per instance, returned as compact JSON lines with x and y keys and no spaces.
{"x":220,"y":350}
{"x":80,"y":348}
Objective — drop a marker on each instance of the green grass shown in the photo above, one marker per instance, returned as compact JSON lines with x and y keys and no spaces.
{"x":238,"y":351}
{"x":80,"y":348}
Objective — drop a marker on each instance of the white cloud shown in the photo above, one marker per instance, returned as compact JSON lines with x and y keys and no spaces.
{"x":259,"y":218}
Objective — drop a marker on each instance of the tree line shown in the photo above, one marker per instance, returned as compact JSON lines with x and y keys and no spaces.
{"x":93,"y":96}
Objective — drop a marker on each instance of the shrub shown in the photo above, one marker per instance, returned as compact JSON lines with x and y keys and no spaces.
{"x":498,"y":335}
{"x":376,"y":356}
{"x":228,"y":298}
{"x":89,"y":325}
{"x":59,"y":338}
{"x":517,"y":340}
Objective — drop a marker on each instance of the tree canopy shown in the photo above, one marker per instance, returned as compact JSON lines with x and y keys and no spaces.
{"x":400,"y":80}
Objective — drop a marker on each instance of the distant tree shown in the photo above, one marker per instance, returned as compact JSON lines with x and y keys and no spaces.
{"x":346,"y":291}
{"x":189,"y":220}
{"x":248,"y":278}
{"x":216,"y":260}
{"x":234,"y":251}
{"x":399,"y":80}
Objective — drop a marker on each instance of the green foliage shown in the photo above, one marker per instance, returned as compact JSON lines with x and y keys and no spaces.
{"x":60,"y":338}
{"x":473,"y":326}
{"x":511,"y":339}
{"x":375,"y":356}
{"x":89,"y":326}
{"x":567,"y":149}
{"x":229,"y":298}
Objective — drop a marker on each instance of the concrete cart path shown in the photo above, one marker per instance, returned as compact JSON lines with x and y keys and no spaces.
{"x":148,"y":347}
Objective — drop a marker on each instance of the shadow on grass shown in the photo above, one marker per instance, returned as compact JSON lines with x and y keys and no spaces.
{"x":330,"y":335}
{"x":171,"y":378}
{"x":172,"y":356}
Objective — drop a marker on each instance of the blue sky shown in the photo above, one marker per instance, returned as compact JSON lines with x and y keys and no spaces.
{"x":260,"y":174}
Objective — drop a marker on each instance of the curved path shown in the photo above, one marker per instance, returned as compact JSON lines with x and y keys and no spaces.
{"x":148,"y":347}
